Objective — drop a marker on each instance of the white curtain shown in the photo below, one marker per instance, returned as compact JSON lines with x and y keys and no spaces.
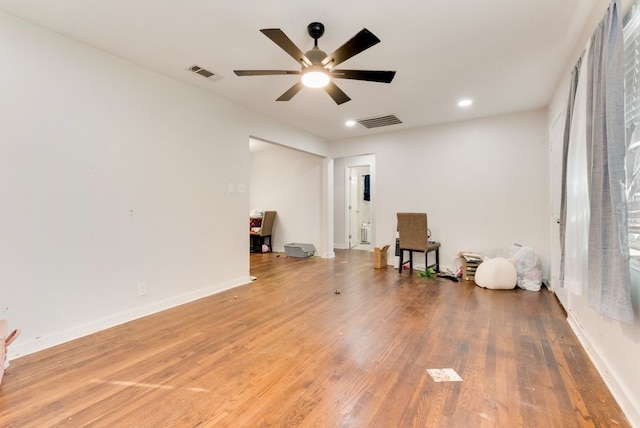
{"x":577,"y":203}
{"x":593,"y":223}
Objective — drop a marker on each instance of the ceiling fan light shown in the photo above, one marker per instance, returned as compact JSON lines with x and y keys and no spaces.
{"x":315,"y":77}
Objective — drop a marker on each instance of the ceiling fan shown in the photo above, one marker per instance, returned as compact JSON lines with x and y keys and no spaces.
{"x":318,"y":68}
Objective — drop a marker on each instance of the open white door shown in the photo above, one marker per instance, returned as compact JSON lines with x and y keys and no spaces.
{"x":359,"y":212}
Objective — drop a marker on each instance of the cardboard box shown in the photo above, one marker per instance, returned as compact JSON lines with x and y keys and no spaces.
{"x":380,"y":257}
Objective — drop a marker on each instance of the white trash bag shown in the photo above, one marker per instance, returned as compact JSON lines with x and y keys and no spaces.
{"x":528,"y":266}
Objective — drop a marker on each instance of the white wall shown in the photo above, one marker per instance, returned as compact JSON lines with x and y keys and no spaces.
{"x":288,"y":181}
{"x":483,"y":183}
{"x":112,"y":175}
{"x":612,"y":346}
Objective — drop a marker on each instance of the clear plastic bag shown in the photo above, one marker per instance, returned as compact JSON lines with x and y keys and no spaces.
{"x":528,"y":267}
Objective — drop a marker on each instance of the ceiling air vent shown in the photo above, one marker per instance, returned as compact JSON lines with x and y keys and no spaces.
{"x":201,"y":71}
{"x":377,"y":122}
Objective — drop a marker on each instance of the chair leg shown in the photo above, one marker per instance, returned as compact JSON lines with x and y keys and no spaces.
{"x":410,"y":261}
{"x":400,"y":265}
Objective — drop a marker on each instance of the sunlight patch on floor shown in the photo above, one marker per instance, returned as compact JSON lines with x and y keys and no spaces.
{"x":143,"y":385}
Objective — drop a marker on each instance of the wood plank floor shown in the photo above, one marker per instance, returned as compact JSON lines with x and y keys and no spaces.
{"x":322,"y":343}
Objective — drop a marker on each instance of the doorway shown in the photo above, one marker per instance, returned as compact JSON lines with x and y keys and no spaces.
{"x":359,"y":213}
{"x":294,"y":192}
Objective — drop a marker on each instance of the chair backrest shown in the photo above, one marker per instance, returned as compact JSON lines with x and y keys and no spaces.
{"x":268,"y":219}
{"x":413,"y":231}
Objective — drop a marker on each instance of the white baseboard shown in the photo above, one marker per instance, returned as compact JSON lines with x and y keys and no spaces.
{"x":41,"y":343}
{"x":630,"y":408}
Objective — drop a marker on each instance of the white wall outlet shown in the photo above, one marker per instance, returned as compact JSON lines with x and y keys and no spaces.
{"x":142,"y":288}
{"x":241,"y":187}
{"x":231,"y":187}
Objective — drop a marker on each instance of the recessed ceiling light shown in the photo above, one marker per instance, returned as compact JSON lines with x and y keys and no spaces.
{"x":350,"y":123}
{"x":465,"y":102}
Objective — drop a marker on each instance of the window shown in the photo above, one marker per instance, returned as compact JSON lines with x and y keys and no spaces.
{"x":632,"y":122}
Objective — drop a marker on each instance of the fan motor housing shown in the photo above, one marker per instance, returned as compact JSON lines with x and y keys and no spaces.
{"x":316,"y":55}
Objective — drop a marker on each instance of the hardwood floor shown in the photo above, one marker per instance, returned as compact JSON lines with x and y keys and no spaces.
{"x":322,"y":343}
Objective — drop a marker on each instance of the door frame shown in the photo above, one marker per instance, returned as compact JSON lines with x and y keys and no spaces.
{"x":352,"y":162}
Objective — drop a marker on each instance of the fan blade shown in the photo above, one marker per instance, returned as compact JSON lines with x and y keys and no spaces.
{"x":281,"y":39}
{"x":291,"y":92}
{"x":264,"y":72}
{"x":368,"y":75}
{"x":358,"y":43}
{"x":336,"y":93}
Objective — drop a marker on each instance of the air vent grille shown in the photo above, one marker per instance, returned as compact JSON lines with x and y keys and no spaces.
{"x":201,"y":71}
{"x":377,"y":122}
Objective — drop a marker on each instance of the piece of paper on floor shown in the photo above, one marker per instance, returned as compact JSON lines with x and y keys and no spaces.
{"x":444,"y":375}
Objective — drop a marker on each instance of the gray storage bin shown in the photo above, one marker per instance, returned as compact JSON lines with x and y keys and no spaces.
{"x":299,"y":250}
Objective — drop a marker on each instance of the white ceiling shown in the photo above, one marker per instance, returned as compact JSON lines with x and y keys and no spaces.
{"x":508,"y":55}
